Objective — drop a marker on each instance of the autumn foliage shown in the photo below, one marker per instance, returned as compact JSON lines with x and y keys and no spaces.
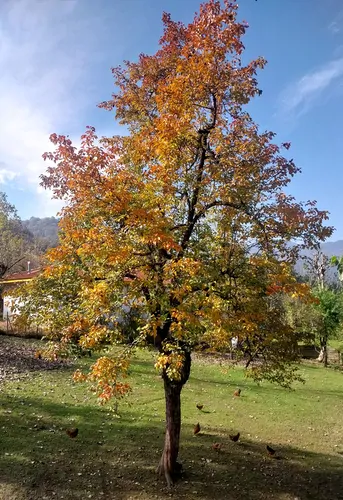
{"x":185,"y":218}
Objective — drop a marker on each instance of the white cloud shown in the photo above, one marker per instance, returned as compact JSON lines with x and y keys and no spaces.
{"x":334,"y":27}
{"x":5,"y":174}
{"x":337,"y":24}
{"x":43,"y":56}
{"x":300,"y":96}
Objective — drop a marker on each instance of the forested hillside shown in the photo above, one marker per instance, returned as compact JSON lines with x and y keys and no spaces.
{"x":44,"y":230}
{"x":23,"y":241}
{"x":16,"y":242}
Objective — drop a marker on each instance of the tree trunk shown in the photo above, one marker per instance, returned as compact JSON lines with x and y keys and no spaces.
{"x":172,"y":390}
{"x":168,"y":463}
{"x":323,"y":355}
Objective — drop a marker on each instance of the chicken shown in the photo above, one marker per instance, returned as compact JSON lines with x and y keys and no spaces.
{"x":178,"y":467}
{"x":237,"y":392}
{"x":217,"y":446}
{"x":234,"y":437}
{"x":196,"y":429}
{"x":199,"y":406}
{"x":72,"y":433}
{"x":271,"y":451}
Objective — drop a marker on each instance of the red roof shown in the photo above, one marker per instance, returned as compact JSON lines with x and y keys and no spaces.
{"x":20,"y":277}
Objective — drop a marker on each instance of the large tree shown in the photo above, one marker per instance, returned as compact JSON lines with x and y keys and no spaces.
{"x":185,"y":217}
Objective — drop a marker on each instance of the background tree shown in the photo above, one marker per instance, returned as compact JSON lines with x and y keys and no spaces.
{"x":320,"y":318}
{"x":15,"y":240}
{"x":329,"y":307}
{"x":163,"y":218}
{"x":337,"y":262}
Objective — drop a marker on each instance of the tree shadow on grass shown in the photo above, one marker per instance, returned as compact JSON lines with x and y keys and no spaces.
{"x":115,"y":458}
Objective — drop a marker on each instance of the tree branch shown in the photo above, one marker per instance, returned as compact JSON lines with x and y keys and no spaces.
{"x":203,"y":146}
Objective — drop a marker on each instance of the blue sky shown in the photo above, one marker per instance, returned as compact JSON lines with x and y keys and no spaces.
{"x":55,"y":60}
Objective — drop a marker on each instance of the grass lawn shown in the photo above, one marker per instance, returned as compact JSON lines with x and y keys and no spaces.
{"x":114,"y":456}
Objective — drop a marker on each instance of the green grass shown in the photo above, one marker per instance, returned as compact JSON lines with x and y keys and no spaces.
{"x":336,"y":344}
{"x":114,"y":456}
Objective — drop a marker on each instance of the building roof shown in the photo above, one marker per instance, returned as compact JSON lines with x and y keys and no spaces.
{"x":20,"y":277}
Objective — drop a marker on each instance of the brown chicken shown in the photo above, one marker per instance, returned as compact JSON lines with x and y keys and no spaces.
{"x":199,"y":406}
{"x":217,"y":446}
{"x":237,"y":392}
{"x":234,"y":437}
{"x":196,"y":429}
{"x":271,"y":451}
{"x":72,"y":433}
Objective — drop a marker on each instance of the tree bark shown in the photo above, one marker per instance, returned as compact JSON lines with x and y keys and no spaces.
{"x":323,"y":355}
{"x":172,"y":390}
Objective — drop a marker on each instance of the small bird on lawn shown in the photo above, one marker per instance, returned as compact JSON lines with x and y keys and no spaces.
{"x":196,"y":429}
{"x":271,"y":451}
{"x":217,"y":446}
{"x":234,"y":437}
{"x":237,"y":392}
{"x":72,"y":433}
{"x":199,"y":406}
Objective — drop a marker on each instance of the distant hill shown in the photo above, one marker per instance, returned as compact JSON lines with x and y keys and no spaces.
{"x":331,"y":248}
{"x":44,"y":230}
